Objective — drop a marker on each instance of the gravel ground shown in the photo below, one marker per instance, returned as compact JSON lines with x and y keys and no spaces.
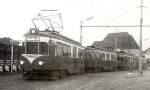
{"x":122,"y":80}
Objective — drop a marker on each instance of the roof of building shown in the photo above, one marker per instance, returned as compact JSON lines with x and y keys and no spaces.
{"x":120,"y":40}
{"x":147,"y":50}
{"x":8,"y":41}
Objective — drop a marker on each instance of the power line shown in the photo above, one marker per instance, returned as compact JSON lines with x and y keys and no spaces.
{"x":117,"y":26}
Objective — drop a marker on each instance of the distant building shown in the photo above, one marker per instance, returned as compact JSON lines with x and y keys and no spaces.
{"x":6,"y":52}
{"x":147,"y":55}
{"x":121,"y":40}
{"x":9,"y":41}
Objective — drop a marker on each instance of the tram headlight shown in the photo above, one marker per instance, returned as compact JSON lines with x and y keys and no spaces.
{"x":40,"y":62}
{"x":21,"y":62}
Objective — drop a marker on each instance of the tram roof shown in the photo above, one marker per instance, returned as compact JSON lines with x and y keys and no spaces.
{"x":100,"y":49}
{"x":54,"y":35}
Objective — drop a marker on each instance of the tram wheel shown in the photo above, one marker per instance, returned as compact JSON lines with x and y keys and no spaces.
{"x":99,"y":69}
{"x":26,"y":75}
{"x":54,"y":75}
{"x":63,"y":74}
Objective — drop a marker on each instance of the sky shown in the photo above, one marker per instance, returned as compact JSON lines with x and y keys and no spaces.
{"x":16,"y":15}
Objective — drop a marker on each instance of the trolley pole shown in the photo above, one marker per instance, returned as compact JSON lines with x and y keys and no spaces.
{"x":12,"y":54}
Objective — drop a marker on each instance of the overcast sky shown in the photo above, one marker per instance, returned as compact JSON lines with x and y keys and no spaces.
{"x":16,"y":15}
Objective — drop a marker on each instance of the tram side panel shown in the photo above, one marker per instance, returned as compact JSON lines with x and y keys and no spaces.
{"x":60,"y":58}
{"x":69,"y":58}
{"x":90,"y":64}
{"x":127,"y":62}
{"x":97,"y":60}
{"x":108,"y":61}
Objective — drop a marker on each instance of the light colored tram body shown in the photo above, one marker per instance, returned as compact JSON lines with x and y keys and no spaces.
{"x":48,"y":54}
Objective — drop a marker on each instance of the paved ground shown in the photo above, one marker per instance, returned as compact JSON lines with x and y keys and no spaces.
{"x":91,"y":81}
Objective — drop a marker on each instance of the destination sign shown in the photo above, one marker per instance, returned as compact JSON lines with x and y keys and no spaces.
{"x":33,"y":39}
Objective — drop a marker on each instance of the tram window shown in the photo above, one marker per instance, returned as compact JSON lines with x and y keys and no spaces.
{"x":96,"y":56}
{"x":80,"y":53}
{"x":122,"y":58}
{"x":43,"y":47}
{"x":126,"y":58}
{"x":69,"y":50}
{"x":100,"y":57}
{"x":65,"y":53}
{"x":74,"y":52}
{"x":64,"y":49}
{"x":103,"y":56}
{"x":87,"y":55}
{"x":23,"y":48}
{"x":59,"y":49}
{"x":112,"y":57}
{"x":107,"y":56}
{"x":92,"y":55}
{"x":32,"y":47}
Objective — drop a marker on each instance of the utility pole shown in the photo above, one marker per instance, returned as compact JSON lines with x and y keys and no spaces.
{"x":12,"y":56}
{"x":140,"y":42}
{"x":81,"y":32}
{"x":116,"y":40}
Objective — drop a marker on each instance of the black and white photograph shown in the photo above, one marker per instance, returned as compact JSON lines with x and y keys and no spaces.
{"x":75,"y":45}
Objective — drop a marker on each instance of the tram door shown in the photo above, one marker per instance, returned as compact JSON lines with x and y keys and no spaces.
{"x":52,"y":50}
{"x":76,"y":63}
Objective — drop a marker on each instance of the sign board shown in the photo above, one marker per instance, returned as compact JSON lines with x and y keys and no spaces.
{"x":32,"y":39}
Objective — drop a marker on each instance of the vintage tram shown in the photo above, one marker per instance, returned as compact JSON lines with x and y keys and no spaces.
{"x":100,"y":59}
{"x":48,"y":54}
{"x":127,"y":61}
